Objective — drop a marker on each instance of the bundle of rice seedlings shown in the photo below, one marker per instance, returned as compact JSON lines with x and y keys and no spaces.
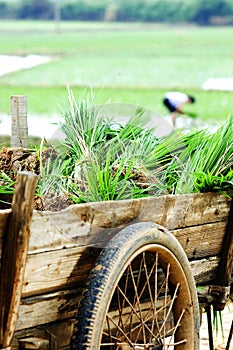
{"x":101,"y":159}
{"x":206,"y":162}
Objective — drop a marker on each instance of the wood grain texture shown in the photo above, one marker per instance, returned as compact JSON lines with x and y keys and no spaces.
{"x":15,"y":246}
{"x":84,"y":224}
{"x":90,"y":224}
{"x":63,"y":303}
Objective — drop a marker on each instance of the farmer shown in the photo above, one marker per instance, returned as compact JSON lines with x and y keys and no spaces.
{"x":174,"y":101}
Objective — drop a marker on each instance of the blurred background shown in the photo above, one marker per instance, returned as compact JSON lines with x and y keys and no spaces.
{"x":124,"y":51}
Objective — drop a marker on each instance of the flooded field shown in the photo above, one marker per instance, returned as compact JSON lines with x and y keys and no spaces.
{"x":9,"y":63}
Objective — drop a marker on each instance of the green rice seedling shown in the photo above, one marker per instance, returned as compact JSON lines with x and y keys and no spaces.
{"x":6,"y":184}
{"x":218,"y":324}
{"x":6,"y":189}
{"x":103,"y":182}
{"x":108,"y":178}
{"x":207,"y":161}
{"x":83,"y":126}
{"x":104,"y":156}
{"x":206,"y":182}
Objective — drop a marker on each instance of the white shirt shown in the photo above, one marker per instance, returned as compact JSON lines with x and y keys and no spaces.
{"x":176,"y":98}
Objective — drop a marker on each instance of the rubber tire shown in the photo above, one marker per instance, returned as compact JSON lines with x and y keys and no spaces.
{"x":110,"y":266}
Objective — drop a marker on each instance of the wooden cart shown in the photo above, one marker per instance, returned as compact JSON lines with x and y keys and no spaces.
{"x":136,"y":264}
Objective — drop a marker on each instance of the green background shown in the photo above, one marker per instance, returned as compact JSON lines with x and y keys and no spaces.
{"x":134,"y":63}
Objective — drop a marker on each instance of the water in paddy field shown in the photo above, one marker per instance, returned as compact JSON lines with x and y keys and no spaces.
{"x":10,"y":64}
{"x":40,"y":126}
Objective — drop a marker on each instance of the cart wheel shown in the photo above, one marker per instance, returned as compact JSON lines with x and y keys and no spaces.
{"x":141,"y":295}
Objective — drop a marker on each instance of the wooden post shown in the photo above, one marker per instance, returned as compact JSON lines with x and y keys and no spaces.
{"x":221,"y":289}
{"x":57,"y":15}
{"x":14,"y":253}
{"x":19,"y":127}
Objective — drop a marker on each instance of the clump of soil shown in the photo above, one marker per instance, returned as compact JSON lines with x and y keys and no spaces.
{"x":13,"y":160}
{"x":52,"y":202}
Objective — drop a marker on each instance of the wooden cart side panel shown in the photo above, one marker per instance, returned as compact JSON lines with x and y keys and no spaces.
{"x":64,"y":245}
{"x":90,"y":224}
{"x":63,"y":304}
{"x":81,"y":225}
{"x":50,"y":267}
{"x":64,"y":268}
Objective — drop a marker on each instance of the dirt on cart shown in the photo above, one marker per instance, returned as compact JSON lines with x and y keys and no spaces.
{"x":13,"y":160}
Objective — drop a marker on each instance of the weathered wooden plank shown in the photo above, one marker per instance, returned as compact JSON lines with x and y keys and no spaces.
{"x":63,"y":268}
{"x":63,"y":304}
{"x":46,"y":308}
{"x":202,"y":241}
{"x":33,"y":343}
{"x":57,"y":270}
{"x":204,"y":270}
{"x":84,"y":224}
{"x":172,"y":211}
{"x":181,"y":211}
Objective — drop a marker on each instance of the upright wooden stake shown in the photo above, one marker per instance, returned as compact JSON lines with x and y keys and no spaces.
{"x":223,"y":276}
{"x":19,"y":127}
{"x":57,"y":15}
{"x":14,"y":253}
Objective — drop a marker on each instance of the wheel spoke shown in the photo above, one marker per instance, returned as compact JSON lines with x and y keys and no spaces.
{"x":171,"y":302}
{"x":136,"y":298}
{"x":121,"y":331}
{"x":155,"y":319}
{"x":138,"y":304}
{"x":165,"y":298}
{"x":143,"y":322}
{"x":121,"y":305}
{"x":146,"y":283}
{"x":178,"y":324}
